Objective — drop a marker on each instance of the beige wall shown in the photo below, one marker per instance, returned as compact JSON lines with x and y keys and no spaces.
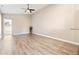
{"x":20,"y":23}
{"x":57,"y":21}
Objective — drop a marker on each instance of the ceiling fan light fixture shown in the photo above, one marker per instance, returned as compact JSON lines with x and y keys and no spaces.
{"x":28,"y":11}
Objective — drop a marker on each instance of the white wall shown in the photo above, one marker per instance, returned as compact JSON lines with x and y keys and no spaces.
{"x":57,"y":21}
{"x":20,"y":23}
{"x":0,"y":24}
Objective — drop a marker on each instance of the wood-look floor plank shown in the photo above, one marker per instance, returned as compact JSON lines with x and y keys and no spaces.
{"x":31,"y":44}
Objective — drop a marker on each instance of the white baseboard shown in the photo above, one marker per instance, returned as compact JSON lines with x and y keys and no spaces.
{"x":75,"y":43}
{"x":21,"y":33}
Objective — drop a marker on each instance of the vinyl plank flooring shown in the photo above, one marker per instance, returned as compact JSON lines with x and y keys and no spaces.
{"x":32,"y":44}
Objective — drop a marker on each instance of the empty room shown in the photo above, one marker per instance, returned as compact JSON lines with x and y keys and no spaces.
{"x":39,"y":29}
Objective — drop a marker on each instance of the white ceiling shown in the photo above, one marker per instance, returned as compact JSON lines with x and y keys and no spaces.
{"x":19,"y":8}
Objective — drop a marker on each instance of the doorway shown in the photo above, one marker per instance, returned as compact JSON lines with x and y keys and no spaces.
{"x":7,"y":26}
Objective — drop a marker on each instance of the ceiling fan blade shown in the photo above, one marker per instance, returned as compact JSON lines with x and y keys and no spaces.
{"x":32,"y":9}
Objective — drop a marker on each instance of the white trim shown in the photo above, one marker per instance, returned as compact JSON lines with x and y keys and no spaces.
{"x":75,"y":43}
{"x":20,"y":33}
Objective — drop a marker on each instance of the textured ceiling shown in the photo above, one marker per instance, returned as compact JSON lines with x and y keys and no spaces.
{"x":19,"y":8}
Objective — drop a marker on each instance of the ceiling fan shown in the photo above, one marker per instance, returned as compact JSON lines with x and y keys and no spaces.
{"x":28,"y":10}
